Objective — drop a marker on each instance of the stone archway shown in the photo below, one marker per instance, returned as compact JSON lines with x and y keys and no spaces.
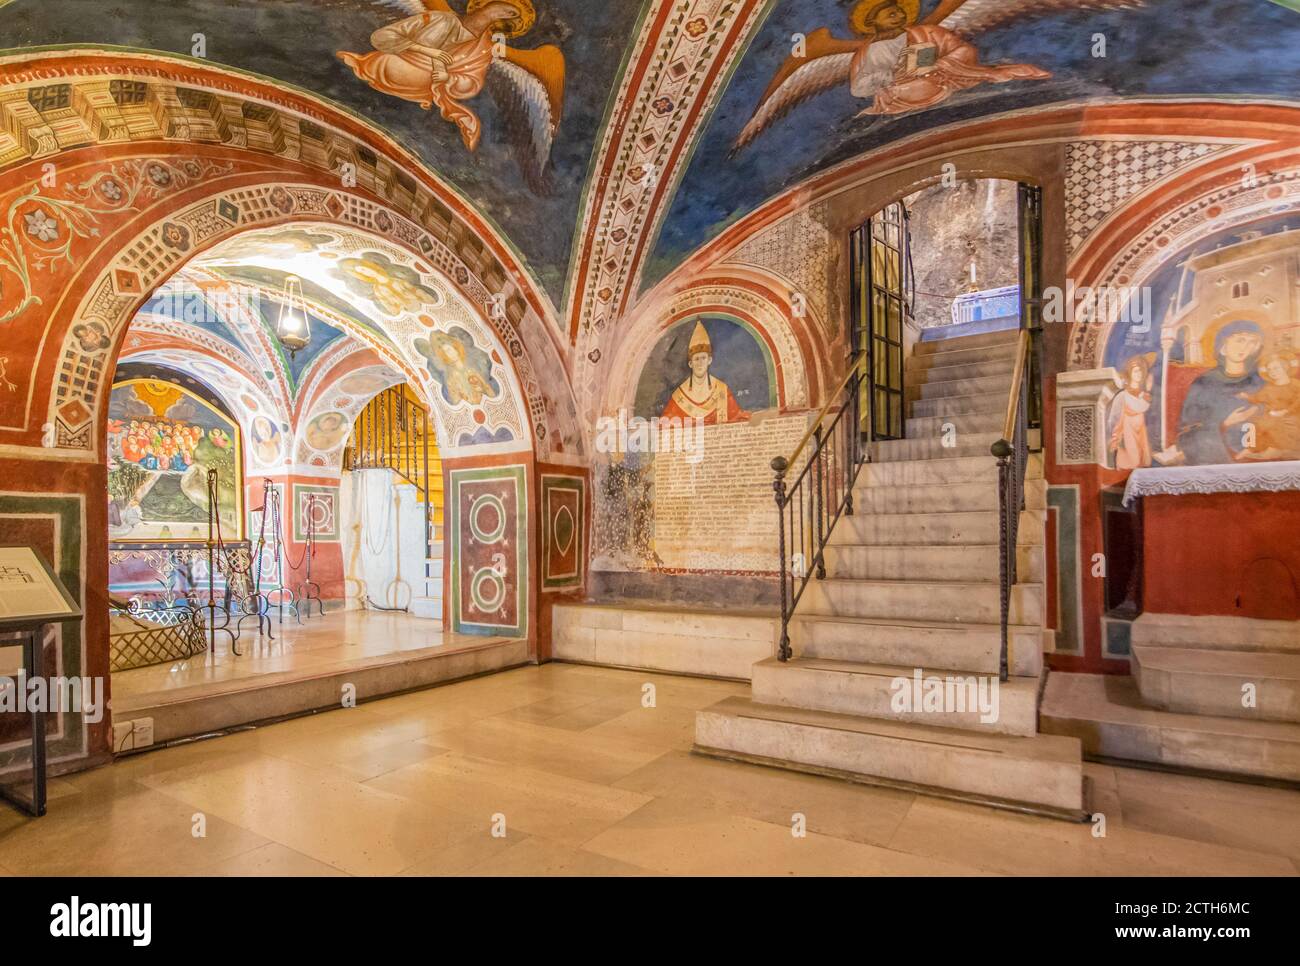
{"x":95,"y":230}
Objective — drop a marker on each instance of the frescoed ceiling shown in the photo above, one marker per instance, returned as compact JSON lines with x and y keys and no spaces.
{"x":1030,"y":53}
{"x":609,"y":140}
{"x":367,"y":292}
{"x":188,"y":305}
{"x":564,"y":60}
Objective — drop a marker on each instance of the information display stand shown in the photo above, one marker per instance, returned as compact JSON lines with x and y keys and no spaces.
{"x":31,"y":598}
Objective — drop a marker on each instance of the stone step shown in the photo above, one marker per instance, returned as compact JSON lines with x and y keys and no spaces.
{"x":955,"y":601}
{"x":908,"y":562}
{"x":914,"y":643}
{"x":1107,"y":713}
{"x":1039,"y":773}
{"x":944,"y":371}
{"x":427,"y":607}
{"x":1000,"y":339}
{"x":1217,"y":633}
{"x":960,"y":387}
{"x":926,"y":498}
{"x":1190,"y":681}
{"x":941,"y":497}
{"x":933,"y":529}
{"x":930,"y":472}
{"x":956,"y":355}
{"x":967,"y":444}
{"x":988,"y":402}
{"x":969,"y":700}
{"x":935,"y":427}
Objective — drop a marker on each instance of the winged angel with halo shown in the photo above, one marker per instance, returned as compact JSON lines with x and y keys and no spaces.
{"x":900,"y":64}
{"x":438,"y":57}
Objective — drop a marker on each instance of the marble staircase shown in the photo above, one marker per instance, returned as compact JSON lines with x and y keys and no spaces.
{"x":910,"y":603}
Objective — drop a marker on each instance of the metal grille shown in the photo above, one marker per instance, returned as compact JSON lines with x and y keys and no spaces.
{"x":158,"y":637}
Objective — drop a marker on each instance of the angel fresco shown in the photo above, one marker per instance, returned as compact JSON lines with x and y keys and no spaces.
{"x":437,"y":57}
{"x":902,"y":63}
{"x":462,"y":369}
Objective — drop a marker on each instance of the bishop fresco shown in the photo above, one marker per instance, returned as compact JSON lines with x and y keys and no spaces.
{"x":701,"y":395}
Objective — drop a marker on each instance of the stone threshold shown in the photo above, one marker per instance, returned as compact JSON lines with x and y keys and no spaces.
{"x":876,"y":781}
{"x":202,"y":710}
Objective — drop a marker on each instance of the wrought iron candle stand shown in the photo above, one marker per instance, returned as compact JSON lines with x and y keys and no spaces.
{"x":255,"y":604}
{"x":285,"y":598}
{"x":309,"y":590}
{"x":215,"y":543}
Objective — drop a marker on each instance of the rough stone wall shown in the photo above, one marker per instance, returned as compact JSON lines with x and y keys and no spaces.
{"x":975,"y":220}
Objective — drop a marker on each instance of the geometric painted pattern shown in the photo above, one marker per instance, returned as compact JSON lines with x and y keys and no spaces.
{"x":488,"y":527}
{"x":563,"y":550}
{"x":800,"y":249}
{"x":1102,"y":176}
{"x":315,"y":512}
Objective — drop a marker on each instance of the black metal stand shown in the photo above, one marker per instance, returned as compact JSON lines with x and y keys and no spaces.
{"x":214,"y":540}
{"x":260,"y":606}
{"x":309,"y":590}
{"x":34,"y":662}
{"x":284,"y":596}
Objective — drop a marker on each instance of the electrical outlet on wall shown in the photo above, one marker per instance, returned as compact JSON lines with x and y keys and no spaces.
{"x":132,"y":735}
{"x":123,"y":732}
{"x":143,"y":732}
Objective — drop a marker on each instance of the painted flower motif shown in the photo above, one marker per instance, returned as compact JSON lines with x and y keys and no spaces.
{"x":605,"y":294}
{"x":697,"y":27}
{"x":41,"y":226}
{"x":637,"y":173}
{"x":175,"y":236}
{"x":662,"y":105}
{"x":191,"y":168}
{"x":109,"y":189}
{"x":159,"y":174}
{"x":618,"y":235}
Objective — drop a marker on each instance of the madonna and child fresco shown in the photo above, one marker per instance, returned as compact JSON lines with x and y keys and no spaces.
{"x":1223,"y":386}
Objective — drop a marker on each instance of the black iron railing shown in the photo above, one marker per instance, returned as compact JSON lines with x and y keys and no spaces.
{"x":811,"y":501}
{"x":1012,"y":452}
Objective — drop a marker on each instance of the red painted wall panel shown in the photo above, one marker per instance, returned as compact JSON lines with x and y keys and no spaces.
{"x":1223,"y":554}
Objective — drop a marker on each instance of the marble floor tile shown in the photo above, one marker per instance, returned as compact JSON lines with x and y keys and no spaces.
{"x":272,"y":859}
{"x":509,"y":796}
{"x":679,"y":837}
{"x":1249,"y":817}
{"x":343,"y":823}
{"x":858,"y":813}
{"x":590,"y":781}
{"x":136,"y":831}
{"x":538,"y":856}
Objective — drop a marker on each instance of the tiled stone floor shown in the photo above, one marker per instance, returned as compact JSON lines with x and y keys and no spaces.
{"x":590,"y":781}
